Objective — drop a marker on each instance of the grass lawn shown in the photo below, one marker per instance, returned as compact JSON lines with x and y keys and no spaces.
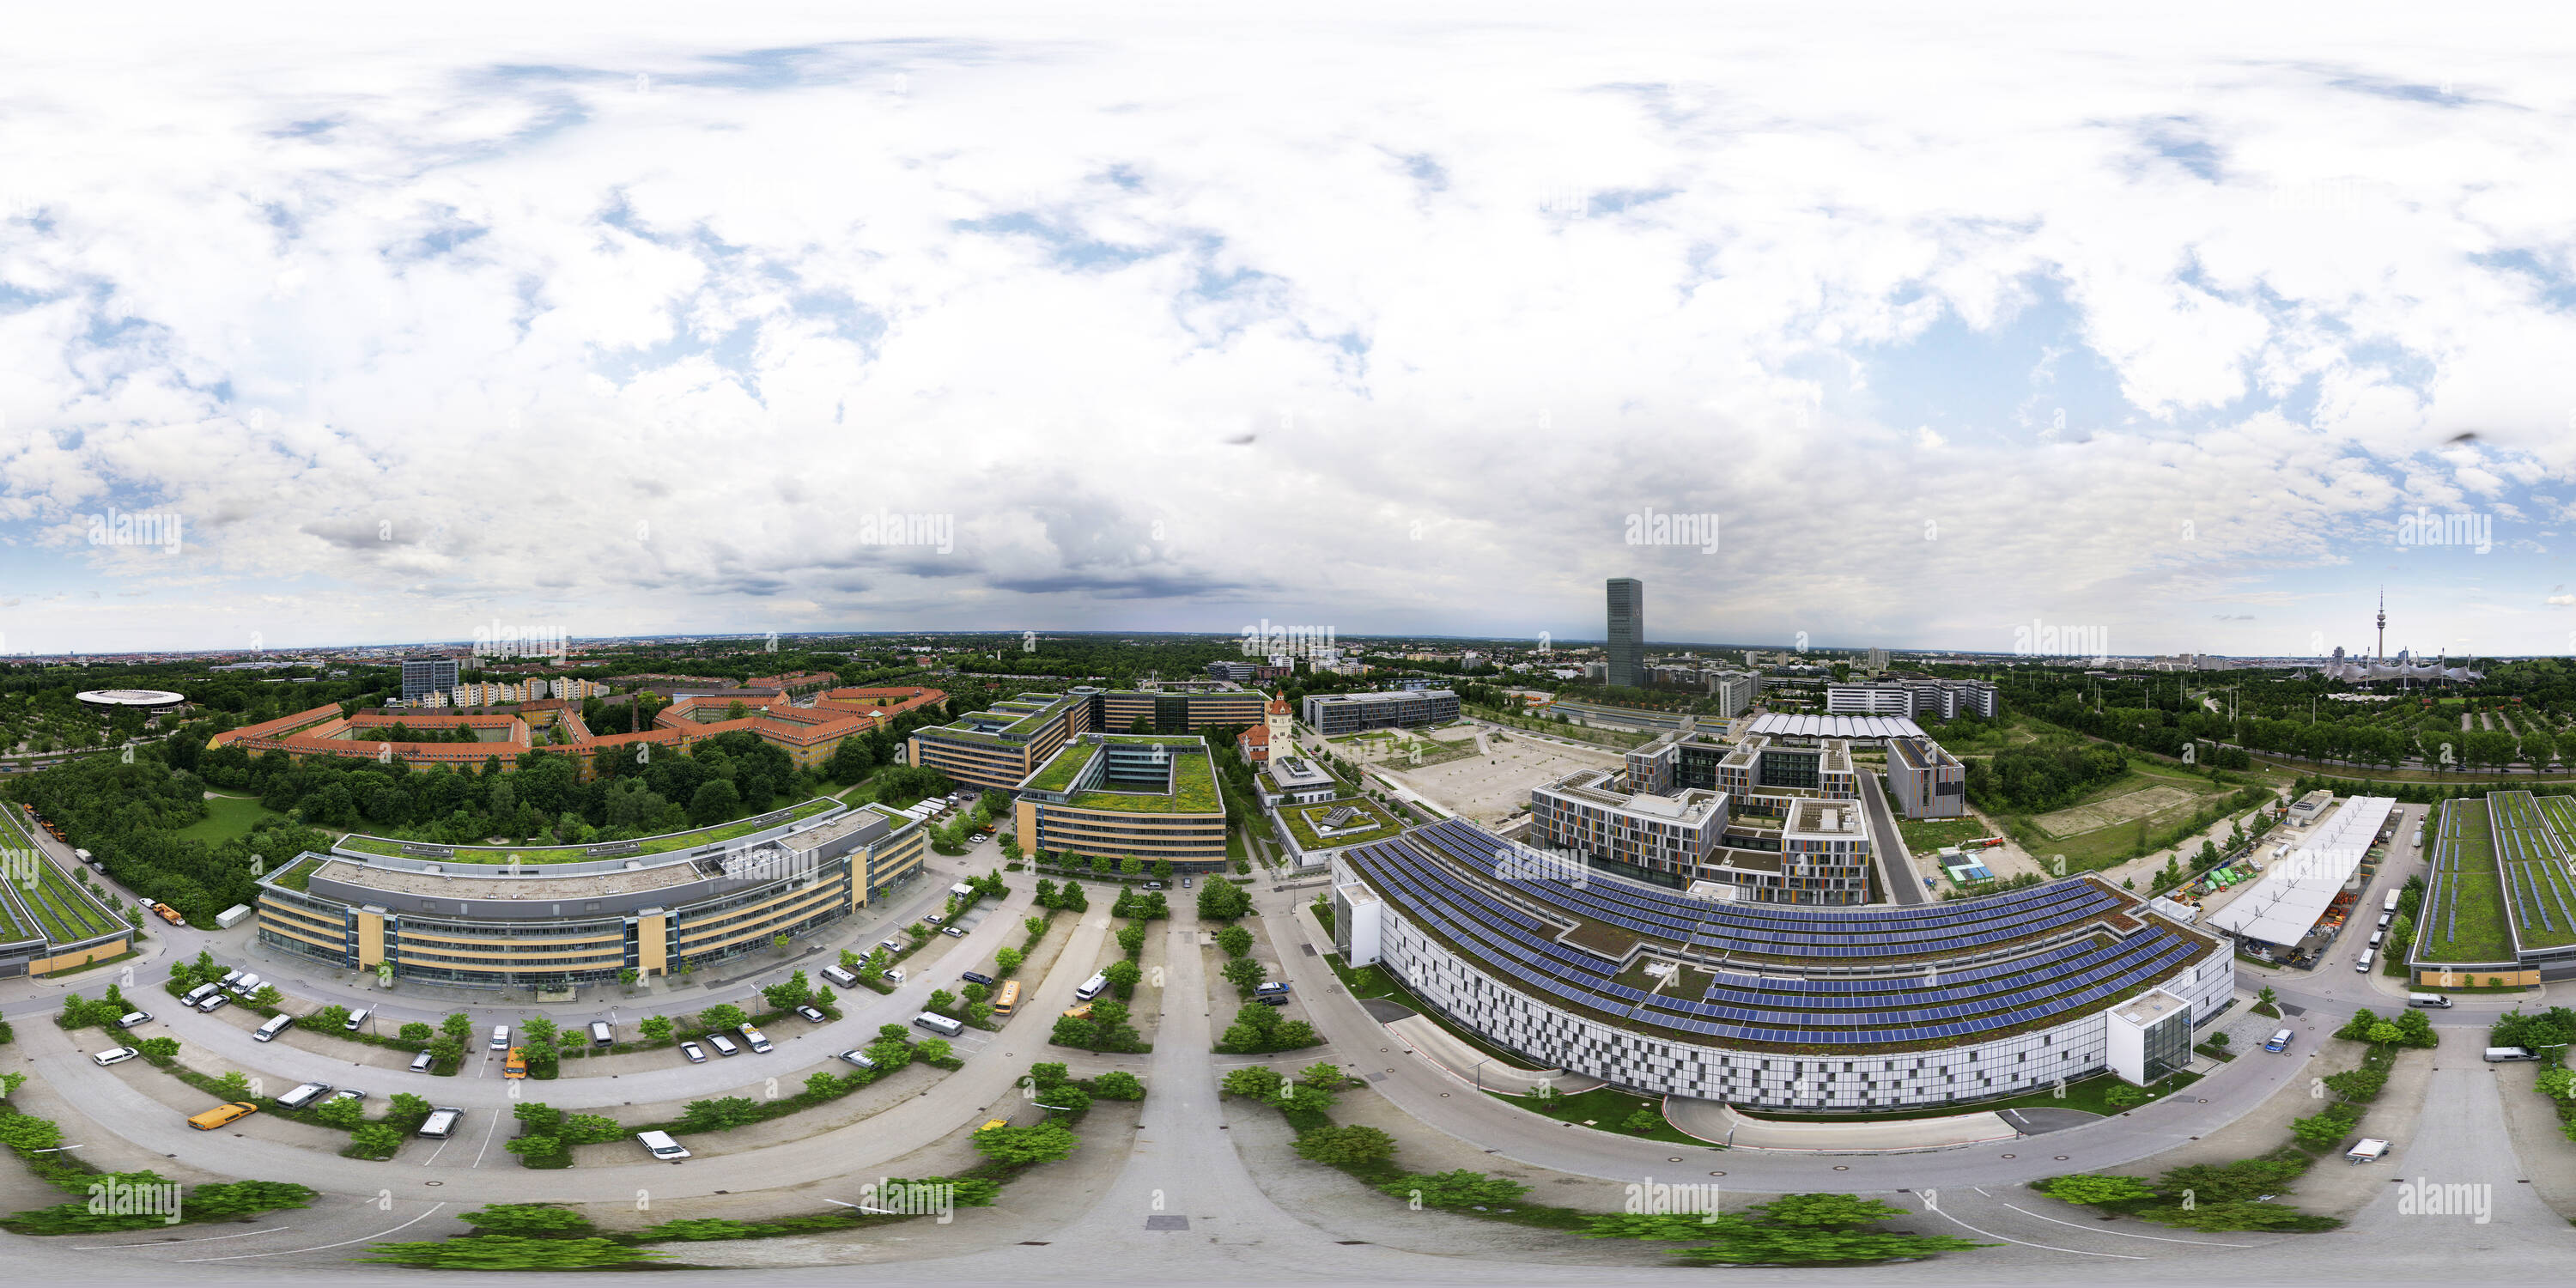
{"x":1603,"y":1109}
{"x":2085,"y":1095}
{"x":2467,"y":924}
{"x":1932,"y":834}
{"x":227,"y":817}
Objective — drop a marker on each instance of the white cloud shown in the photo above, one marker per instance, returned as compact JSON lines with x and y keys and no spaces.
{"x":422,"y":321}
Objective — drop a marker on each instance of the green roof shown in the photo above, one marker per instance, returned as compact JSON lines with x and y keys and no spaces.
{"x":1193,"y":790}
{"x":1300,"y":825}
{"x":662,"y":844}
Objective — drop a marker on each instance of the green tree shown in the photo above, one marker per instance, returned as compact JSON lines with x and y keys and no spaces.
{"x":1222,"y":900}
{"x":417,"y":1032}
{"x":1345,"y":1146}
{"x":942,"y":1000}
{"x":590,"y":1129}
{"x":1642,"y":1121}
{"x":539,"y":1030}
{"x":2124,"y":1096}
{"x":1252,"y":1081}
{"x":1123,"y":976}
{"x":457,"y":1025}
{"x":1024,"y":1146}
{"x":655,"y":1028}
{"x":2385,"y":1033}
{"x":1245,"y":974}
{"x":2414,"y":1029}
{"x":1131,"y":939}
{"x":933,"y":1050}
{"x":717,"y":1115}
{"x":722,"y":1015}
{"x":376,"y":1140}
{"x":535,"y":1146}
{"x":233,"y":1085}
{"x":340,"y":1112}
{"x":332,"y":1018}
{"x":524,"y":1218}
{"x":407,"y":1110}
{"x":1118,"y":1084}
{"x":2358,"y":1028}
{"x":1235,"y":940}
{"x":158,"y":1049}
{"x":1007,"y":960}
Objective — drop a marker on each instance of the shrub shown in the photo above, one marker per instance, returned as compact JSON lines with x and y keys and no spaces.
{"x":1118,"y":1084}
{"x":1345,"y":1146}
{"x":1455,"y":1189}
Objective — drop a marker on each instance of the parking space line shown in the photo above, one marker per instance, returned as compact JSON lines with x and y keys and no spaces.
{"x":2116,"y":1256}
{"x":2206,"y":1243}
{"x":366,"y":1238}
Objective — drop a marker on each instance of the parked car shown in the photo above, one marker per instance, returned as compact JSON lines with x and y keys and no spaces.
{"x":723,"y":1045}
{"x":810,"y":1013}
{"x":1185,"y":883}
{"x":952,"y":932}
{"x":891,"y":945}
{"x":894,"y":974}
{"x":118,"y":1055}
{"x":977,"y":977}
{"x":693,"y":1052}
{"x":132,"y":1018}
{"x":421,"y":1061}
{"x":933,"y":919}
{"x":214,"y":1002}
{"x":859,"y":1058}
{"x":754,"y":1038}
{"x":348,"y":1093}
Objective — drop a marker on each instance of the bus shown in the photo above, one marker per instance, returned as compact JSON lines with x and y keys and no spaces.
{"x":1009,"y":1001}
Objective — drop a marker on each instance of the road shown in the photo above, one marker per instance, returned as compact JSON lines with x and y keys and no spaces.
{"x":1896,"y":872}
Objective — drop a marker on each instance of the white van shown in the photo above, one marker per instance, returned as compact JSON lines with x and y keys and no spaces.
{"x":356,"y":1018}
{"x":601,"y":1034}
{"x":2366,"y":1151}
{"x":268,"y":1032}
{"x":660,"y":1145}
{"x":939,"y":1024}
{"x":500,"y":1037}
{"x":2376,"y":936}
{"x":199,"y":993}
{"x":1091,"y":987}
{"x":2434,"y":1000}
{"x":2362,"y":964}
{"x":2498,"y":1055}
{"x":303,"y":1095}
{"x":441,"y":1122}
{"x":2390,"y":903}
{"x":836,"y":976}
{"x":245,"y":986}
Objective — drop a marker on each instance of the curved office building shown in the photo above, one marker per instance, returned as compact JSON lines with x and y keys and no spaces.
{"x":1773,"y":1006}
{"x":484,"y":917}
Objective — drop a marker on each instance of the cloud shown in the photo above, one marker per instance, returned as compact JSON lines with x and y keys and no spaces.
{"x":419,"y":323}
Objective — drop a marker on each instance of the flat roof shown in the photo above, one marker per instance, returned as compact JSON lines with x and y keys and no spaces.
{"x":1786,"y":725}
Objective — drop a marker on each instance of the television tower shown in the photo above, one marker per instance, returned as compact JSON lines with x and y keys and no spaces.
{"x":2383,"y":623}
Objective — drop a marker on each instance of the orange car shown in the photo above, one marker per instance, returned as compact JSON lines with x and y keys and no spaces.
{"x":517,"y":1067}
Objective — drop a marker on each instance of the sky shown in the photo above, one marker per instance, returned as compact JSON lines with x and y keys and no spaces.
{"x":1955,"y":329}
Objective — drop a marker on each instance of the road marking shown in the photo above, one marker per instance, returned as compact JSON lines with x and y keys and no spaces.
{"x":2116,"y":1256}
{"x":2206,"y":1243}
{"x":167,"y":1242}
{"x":487,"y":1140}
{"x":246,"y":1256}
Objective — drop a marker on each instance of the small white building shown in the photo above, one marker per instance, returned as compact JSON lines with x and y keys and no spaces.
{"x":2148,"y":1036}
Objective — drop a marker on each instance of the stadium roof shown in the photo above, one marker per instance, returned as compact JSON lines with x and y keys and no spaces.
{"x":1781,"y":724}
{"x":132,"y":698}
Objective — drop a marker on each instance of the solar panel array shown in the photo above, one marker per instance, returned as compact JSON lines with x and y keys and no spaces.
{"x":1773,"y":930}
{"x":1738,"y":1007}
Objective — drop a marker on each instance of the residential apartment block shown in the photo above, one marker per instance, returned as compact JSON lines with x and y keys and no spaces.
{"x":1924,"y":780}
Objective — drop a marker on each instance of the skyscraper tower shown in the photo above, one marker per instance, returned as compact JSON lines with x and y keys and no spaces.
{"x":2383,"y":623}
{"x":1627,"y":634}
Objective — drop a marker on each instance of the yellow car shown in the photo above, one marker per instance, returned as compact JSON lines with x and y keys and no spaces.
{"x":221,"y":1114}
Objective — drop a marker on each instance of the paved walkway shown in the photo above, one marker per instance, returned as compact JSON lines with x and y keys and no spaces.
{"x":1719,"y":1123}
{"x":1484,"y":1072}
